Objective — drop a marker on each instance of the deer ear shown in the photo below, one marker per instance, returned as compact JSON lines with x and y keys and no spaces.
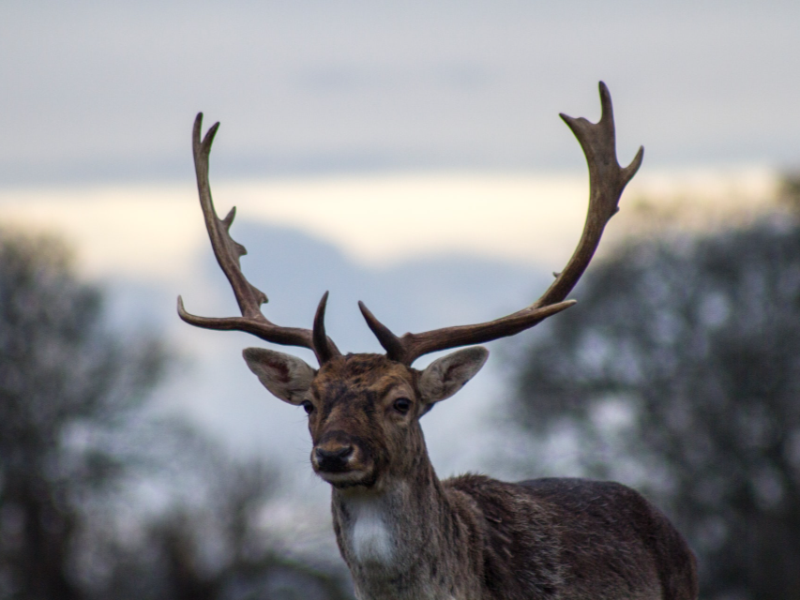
{"x":287,"y":377}
{"x":446,"y":375}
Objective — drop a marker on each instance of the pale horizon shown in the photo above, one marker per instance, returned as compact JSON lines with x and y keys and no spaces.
{"x":154,"y":230}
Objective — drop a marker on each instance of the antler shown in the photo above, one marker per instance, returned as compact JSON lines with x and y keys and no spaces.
{"x":247,"y":295}
{"x":607,"y":180}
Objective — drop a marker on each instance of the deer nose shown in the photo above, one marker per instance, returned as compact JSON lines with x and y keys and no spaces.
{"x":333,"y":459}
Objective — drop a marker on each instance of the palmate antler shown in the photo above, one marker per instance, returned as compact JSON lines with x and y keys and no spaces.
{"x":247,"y":295}
{"x":607,"y":180}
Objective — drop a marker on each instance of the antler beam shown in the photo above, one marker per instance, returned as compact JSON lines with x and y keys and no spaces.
{"x":228,"y":252}
{"x":607,"y":180}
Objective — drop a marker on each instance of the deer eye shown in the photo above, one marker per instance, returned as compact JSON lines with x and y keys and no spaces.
{"x":402,"y":405}
{"x":307,"y":406}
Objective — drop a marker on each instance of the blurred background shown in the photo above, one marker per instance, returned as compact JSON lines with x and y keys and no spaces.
{"x":411,"y":156}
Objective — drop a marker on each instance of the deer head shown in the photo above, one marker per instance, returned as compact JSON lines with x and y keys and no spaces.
{"x":364,"y":409}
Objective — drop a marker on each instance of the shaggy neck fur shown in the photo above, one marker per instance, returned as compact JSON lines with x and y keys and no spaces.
{"x":407,"y":539}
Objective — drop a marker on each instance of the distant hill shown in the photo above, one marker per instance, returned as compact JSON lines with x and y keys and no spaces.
{"x":294,"y":270}
{"x":213,"y":385}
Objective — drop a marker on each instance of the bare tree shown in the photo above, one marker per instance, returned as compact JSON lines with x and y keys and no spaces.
{"x":76,"y":439}
{"x":65,"y":382}
{"x":680,"y":371}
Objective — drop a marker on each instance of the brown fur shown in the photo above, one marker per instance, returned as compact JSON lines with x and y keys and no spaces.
{"x":407,"y":535}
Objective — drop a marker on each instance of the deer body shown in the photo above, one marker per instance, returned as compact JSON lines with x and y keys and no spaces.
{"x":474,"y":538}
{"x":406,"y":535}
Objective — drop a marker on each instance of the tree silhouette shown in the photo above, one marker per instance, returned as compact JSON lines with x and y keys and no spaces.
{"x":65,"y":381}
{"x":76,"y":441}
{"x":679,"y":372}
{"x":213,"y":547}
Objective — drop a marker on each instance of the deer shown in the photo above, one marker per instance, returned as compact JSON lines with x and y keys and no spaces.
{"x":404,"y":533}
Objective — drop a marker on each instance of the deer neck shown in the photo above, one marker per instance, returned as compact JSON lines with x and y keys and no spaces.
{"x":401,"y":539}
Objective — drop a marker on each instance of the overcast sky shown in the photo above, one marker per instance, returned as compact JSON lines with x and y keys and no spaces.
{"x":108,"y":90}
{"x":414,"y":94}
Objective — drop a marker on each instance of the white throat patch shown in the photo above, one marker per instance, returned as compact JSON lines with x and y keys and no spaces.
{"x":370,"y":534}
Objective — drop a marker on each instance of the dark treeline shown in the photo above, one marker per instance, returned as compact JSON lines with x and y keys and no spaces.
{"x":679,"y":372}
{"x":99,"y":499}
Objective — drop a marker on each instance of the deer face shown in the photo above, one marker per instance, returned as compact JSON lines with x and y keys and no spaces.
{"x":364,"y":409}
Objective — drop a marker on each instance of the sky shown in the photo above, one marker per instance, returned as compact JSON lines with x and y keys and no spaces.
{"x":154,"y":231}
{"x":392,"y":131}
{"x":371,"y":124}
{"x":107,"y":91}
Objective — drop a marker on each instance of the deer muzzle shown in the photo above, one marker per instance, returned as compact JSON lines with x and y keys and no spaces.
{"x":341,"y":462}
{"x":333,"y":460}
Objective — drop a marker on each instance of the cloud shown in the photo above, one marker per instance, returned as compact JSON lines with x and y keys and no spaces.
{"x":105,"y":90}
{"x":154,"y":230}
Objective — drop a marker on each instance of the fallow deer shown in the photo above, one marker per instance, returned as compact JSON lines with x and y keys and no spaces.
{"x":405,"y":534}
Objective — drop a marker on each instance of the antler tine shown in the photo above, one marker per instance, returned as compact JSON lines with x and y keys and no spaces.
{"x":411,"y":346}
{"x":395,"y":349}
{"x":323,"y":347}
{"x":228,"y":252}
{"x":607,"y":180}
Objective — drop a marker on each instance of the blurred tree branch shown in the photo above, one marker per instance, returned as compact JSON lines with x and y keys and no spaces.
{"x":77,"y":446}
{"x":679,"y":373}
